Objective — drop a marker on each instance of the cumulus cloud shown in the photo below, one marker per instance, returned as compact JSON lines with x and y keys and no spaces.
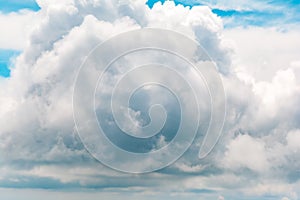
{"x":38,"y":141}
{"x":37,"y":97}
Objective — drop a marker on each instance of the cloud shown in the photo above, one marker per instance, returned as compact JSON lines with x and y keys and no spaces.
{"x":256,"y":59}
{"x":37,"y":97}
{"x":242,"y":151}
{"x":39,"y":143}
{"x":221,"y":198}
{"x":262,"y":113}
{"x":15,"y":28}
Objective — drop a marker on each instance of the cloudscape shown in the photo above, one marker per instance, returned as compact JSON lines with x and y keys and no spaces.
{"x":251,"y":151}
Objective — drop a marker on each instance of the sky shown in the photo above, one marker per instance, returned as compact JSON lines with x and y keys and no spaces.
{"x":255,"y":47}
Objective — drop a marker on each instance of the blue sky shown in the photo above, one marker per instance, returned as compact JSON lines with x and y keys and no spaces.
{"x":16,"y":5}
{"x":7,"y":7}
{"x":6,"y":56}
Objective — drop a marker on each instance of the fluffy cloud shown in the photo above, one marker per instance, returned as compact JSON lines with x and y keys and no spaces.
{"x":16,"y":28}
{"x":243,"y":151}
{"x":37,"y":97}
{"x":38,"y":141}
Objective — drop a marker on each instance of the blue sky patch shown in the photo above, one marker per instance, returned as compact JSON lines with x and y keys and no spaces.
{"x":272,"y":13}
{"x":189,"y":3}
{"x":4,"y":71}
{"x":6,"y":57}
{"x":7,"y":6}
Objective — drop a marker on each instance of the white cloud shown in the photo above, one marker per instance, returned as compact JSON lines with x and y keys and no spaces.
{"x":38,"y":94}
{"x":246,"y":152}
{"x":262,"y":89}
{"x":293,"y":140}
{"x":255,"y":53}
{"x":221,"y":198}
{"x":15,"y":29}
{"x":262,"y":112}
